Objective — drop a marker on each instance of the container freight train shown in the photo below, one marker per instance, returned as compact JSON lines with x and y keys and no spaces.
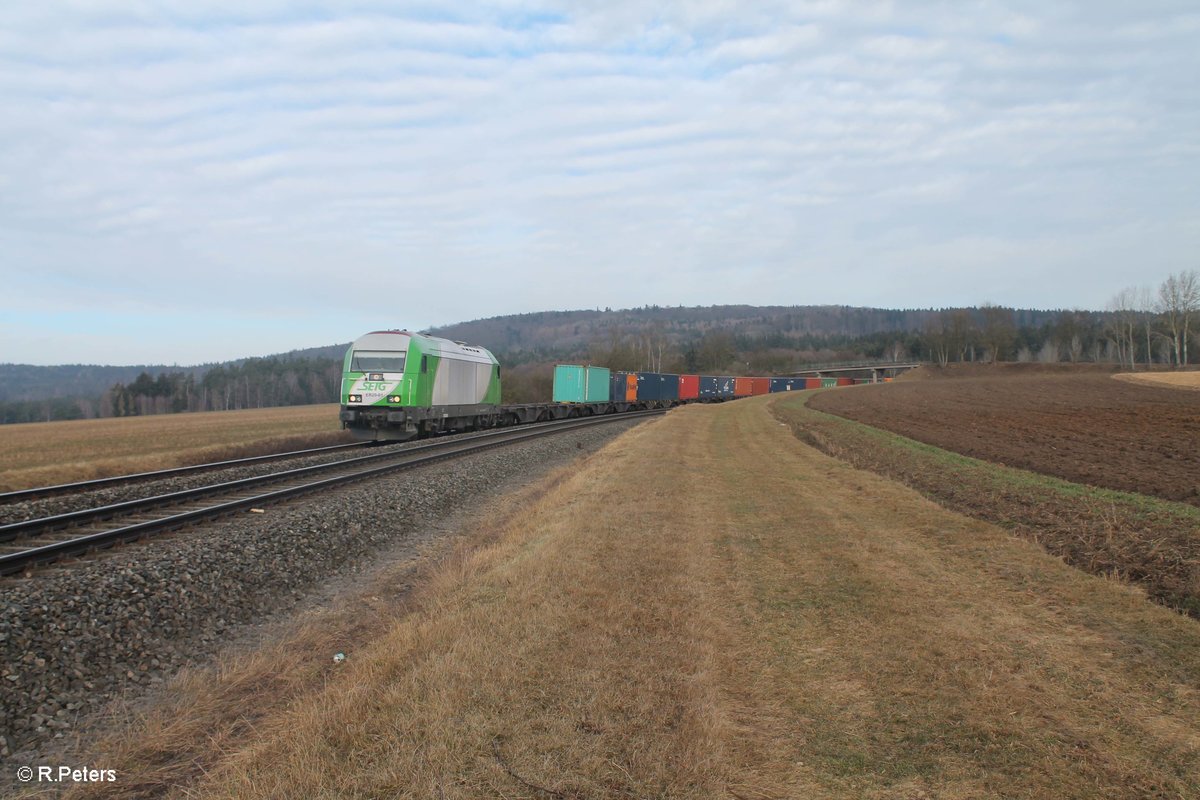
{"x":398,"y":385}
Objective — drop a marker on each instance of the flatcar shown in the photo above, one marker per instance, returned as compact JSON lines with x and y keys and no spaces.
{"x":398,"y":385}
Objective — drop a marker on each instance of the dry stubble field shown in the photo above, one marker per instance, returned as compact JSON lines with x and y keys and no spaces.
{"x":706,"y":608}
{"x":45,"y":453}
{"x":1176,"y":380}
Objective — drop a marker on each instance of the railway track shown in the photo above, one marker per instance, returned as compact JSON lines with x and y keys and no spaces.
{"x":23,"y":495}
{"x":35,"y":542}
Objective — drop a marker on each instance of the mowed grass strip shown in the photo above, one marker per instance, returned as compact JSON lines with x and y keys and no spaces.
{"x":46,"y":453}
{"x":710,"y":608}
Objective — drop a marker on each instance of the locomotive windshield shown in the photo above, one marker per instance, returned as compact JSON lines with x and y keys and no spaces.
{"x":366,"y":361}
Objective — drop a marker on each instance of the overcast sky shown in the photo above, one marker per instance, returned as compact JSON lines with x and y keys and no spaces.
{"x":183,"y":182}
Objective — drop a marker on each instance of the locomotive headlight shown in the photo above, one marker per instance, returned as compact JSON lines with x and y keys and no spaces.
{"x":394,"y":398}
{"x":355,"y":398}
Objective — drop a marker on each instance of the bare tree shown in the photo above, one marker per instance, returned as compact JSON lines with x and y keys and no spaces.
{"x":1145,"y":306}
{"x":715,"y":350}
{"x":937,"y":334}
{"x":1069,"y":332}
{"x":1121,"y":325}
{"x":1179,"y":302}
{"x":960,"y":332}
{"x":653,"y":342}
{"x":1049,"y":353}
{"x":998,"y":332}
{"x":617,"y":352}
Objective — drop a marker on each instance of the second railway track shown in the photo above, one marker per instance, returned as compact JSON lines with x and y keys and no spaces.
{"x":23,"y":495}
{"x":34,"y":542}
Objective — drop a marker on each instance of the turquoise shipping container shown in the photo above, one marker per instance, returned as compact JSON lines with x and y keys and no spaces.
{"x":576,"y":384}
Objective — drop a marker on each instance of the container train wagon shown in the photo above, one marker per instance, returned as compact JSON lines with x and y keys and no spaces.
{"x":398,"y":385}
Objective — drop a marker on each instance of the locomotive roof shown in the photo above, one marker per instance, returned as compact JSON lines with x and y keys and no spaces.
{"x":398,"y":340}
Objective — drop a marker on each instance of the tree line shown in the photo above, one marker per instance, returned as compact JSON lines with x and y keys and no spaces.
{"x":255,"y":383}
{"x":1143,"y":321}
{"x":1140,"y":327}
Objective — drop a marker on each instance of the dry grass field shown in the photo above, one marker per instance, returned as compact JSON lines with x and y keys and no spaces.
{"x":45,"y":453}
{"x":706,"y":608}
{"x":1173,"y":380}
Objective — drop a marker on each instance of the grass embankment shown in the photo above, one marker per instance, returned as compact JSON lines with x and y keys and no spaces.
{"x":709,"y":608}
{"x":1152,"y":542}
{"x":45,"y":453}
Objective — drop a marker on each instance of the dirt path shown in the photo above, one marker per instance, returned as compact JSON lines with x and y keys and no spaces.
{"x":710,"y":608}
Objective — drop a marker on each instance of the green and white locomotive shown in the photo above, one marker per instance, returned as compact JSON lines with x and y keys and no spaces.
{"x":398,"y":385}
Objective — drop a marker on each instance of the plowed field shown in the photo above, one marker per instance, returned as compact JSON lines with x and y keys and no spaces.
{"x":1081,"y":426}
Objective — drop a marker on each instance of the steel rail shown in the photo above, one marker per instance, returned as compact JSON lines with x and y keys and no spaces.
{"x":22,"y":495}
{"x":405,"y":459}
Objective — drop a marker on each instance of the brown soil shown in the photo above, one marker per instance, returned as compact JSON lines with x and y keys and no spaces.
{"x":1080,"y":425}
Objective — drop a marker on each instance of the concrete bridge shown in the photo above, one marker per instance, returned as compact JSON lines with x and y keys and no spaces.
{"x":876,"y":370}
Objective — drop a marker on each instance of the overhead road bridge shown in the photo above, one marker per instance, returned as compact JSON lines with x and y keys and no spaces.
{"x":875,"y":370}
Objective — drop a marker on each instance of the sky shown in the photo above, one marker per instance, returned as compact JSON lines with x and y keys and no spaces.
{"x":186,"y":182}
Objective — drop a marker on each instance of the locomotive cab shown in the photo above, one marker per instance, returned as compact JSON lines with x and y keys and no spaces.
{"x":374,"y":371}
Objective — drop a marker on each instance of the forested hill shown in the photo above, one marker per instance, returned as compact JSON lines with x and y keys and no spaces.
{"x":82,"y":391}
{"x":28,"y":382}
{"x":562,"y":334}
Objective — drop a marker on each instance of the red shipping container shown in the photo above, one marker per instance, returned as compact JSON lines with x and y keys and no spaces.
{"x":760,"y":385}
{"x":743,"y":387}
{"x":689,"y":387}
{"x":812,"y":383}
{"x":845,"y":381}
{"x":631,"y":387}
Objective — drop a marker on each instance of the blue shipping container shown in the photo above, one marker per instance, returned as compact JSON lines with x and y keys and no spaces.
{"x":657,"y":386}
{"x":713,"y":387}
{"x":623,"y":387}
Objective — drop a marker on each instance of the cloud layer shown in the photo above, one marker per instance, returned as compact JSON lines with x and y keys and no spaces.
{"x":270,"y":178}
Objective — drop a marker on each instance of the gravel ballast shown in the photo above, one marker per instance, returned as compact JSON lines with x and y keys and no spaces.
{"x":74,"y":637}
